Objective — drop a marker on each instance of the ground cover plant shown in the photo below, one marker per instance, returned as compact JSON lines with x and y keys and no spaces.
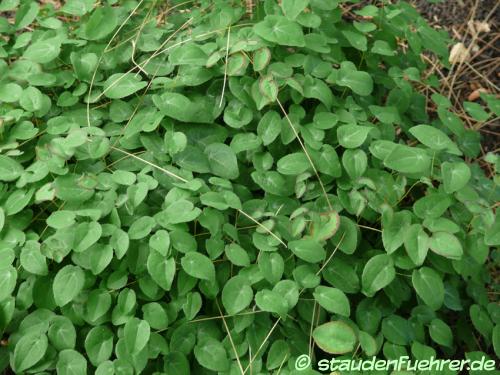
{"x":222,"y":187}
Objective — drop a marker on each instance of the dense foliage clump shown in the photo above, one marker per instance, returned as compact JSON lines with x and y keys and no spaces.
{"x":213,"y":186}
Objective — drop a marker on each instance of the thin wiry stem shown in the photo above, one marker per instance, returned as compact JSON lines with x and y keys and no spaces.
{"x":230,"y":339}
{"x":225,"y":67}
{"x":102,"y":55}
{"x":306,"y":153}
{"x":262,"y":344}
{"x":263,"y":227}
{"x":171,"y":174}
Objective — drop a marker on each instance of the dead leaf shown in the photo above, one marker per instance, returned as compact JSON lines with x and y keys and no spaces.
{"x":476,"y":27}
{"x":458,"y":54}
{"x":482,"y":27}
{"x":474,"y":95}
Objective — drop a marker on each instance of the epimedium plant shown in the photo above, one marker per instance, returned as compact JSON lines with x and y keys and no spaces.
{"x":218,"y":187}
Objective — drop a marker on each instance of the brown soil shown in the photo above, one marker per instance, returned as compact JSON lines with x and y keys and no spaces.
{"x":481,"y":71}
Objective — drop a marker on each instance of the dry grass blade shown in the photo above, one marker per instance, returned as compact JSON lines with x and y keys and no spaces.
{"x":225,"y":316}
{"x":311,"y":329}
{"x":230,"y":339}
{"x":225,"y":67}
{"x":262,"y":344}
{"x":263,"y":227}
{"x":331,"y":255}
{"x":171,"y":174}
{"x":102,"y":55}
{"x":306,"y":153}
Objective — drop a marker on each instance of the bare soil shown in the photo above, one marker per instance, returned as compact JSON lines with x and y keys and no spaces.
{"x":462,"y":19}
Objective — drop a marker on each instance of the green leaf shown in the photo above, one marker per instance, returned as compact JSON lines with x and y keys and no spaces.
{"x":335,"y":337}
{"x":429,"y":287}
{"x":317,"y":89}
{"x":29,"y":350}
{"x":451,"y":121}
{"x":492,"y":235}
{"x":292,"y":8}
{"x":355,"y":39}
{"x":120,"y":242}
{"x":308,"y":249}
{"x":180,"y":211}
{"x":352,"y":136}
{"x":289,"y":291}
{"x":347,"y":235}
{"x":367,"y":343}
{"x":441,"y":333}
{"x":325,"y":225}
{"x":26,"y":14}
{"x":198,"y":265}
{"x":10,"y":92}
{"x":280,"y":30}
{"x":99,"y":344}
{"x":481,"y":320}
{"x":212,"y":355}
{"x":355,"y":162}
{"x":68,"y":283}
{"x":78,"y":7}
{"x":447,"y":245}
{"x":62,"y":333}
{"x":8,"y":279}
{"x":136,"y":334}
{"x":455,"y":176}
{"x":160,"y":241}
{"x":98,"y":304}
{"x":381,"y":47}
{"x":192,"y":305}
{"x":386,"y":114}
{"x":237,"y":255}
{"x":121,"y":85}
{"x":236,"y":295}
{"x":155,"y":315}
{"x":269,"y":127}
{"x":101,"y":23}
{"x":293,"y":164}
{"x":378,"y":273}
{"x":222,"y":160}
{"x":70,"y":362}
{"x":416,"y":242}
{"x":188,"y":54}
{"x":407,"y":159}
{"x":43,"y":51}
{"x":175,"y":142}
{"x":141,"y":228}
{"x":161,"y":269}
{"x":180,"y":107}
{"x":434,"y":138}
{"x":332,"y":300}
{"x":496,"y":340}
{"x":271,"y":301}
{"x":86,"y":235}
{"x":17,"y":201}
{"x":261,"y":59}
{"x":394,"y":229}
{"x":61,"y":219}
{"x":432,"y":206}
{"x":32,"y":259}
{"x":72,"y":188}
{"x":278,"y":354}
{"x":360,"y":83}
{"x":10,"y":170}
{"x":397,"y":330}
{"x":476,"y":111}
{"x":268,"y":88}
